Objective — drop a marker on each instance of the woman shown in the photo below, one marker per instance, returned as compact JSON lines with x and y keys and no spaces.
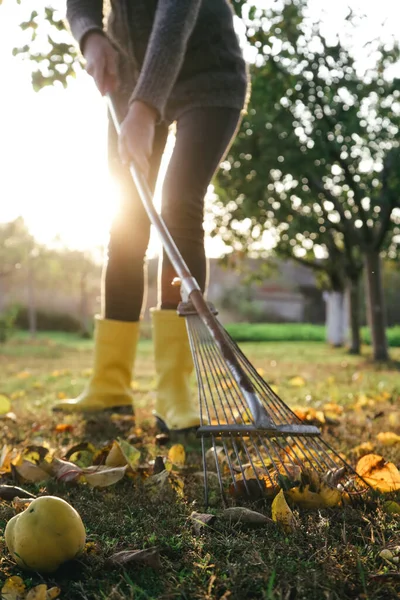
{"x":162,"y":61}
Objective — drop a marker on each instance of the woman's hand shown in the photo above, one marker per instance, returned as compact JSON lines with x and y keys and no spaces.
{"x":101,"y":62}
{"x":137,"y":136}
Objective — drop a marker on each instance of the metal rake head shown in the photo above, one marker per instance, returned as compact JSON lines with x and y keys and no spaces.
{"x":254,"y":453}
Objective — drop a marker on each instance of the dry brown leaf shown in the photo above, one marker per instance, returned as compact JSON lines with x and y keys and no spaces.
{"x":201,"y":520}
{"x":9,"y":492}
{"x":380,"y":475}
{"x":64,"y":428}
{"x":21,"y":504}
{"x":388,"y":438}
{"x":282,"y":514}
{"x":63,"y":470}
{"x":239,"y":514}
{"x":31,"y":472}
{"x":149,"y":557}
{"x":177,"y":455}
{"x":103,"y":476}
{"x":13,"y":589}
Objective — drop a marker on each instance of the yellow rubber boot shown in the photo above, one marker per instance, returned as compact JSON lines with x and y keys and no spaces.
{"x":176,"y":407}
{"x":110,"y":385}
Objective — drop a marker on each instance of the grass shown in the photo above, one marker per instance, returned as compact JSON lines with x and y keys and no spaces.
{"x":332,"y":555}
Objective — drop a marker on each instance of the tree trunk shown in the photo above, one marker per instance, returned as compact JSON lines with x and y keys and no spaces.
{"x":31,"y":301}
{"x":353,"y":292}
{"x":376,"y":306}
{"x":336,"y":318}
{"x":84,"y":304}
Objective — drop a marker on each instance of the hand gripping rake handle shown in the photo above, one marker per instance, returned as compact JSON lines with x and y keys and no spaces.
{"x":192,"y":291}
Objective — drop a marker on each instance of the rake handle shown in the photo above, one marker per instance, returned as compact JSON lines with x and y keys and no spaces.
{"x":192,"y":289}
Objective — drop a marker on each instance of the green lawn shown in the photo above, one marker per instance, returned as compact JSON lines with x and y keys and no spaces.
{"x":332,"y":555}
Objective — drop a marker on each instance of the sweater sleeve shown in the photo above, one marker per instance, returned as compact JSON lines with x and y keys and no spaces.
{"x":83,"y":17}
{"x":173,"y":24}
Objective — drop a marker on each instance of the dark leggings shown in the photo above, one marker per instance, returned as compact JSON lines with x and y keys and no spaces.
{"x":203,"y":135}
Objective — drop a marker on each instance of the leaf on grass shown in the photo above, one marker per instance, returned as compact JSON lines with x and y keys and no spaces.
{"x":177,"y":455}
{"x":81,"y":454}
{"x":394,"y":419}
{"x":362,"y":449}
{"x":380,"y":475}
{"x":201,"y":520}
{"x":391,"y":507}
{"x":33,"y":453}
{"x":63,"y":470}
{"x":103,"y":476}
{"x":388,"y":438}
{"x":21,"y":504}
{"x":5,"y":404}
{"x":39,"y":592}
{"x":307,"y":413}
{"x":239,"y":514}
{"x":53,"y":593}
{"x":64,"y":428}
{"x":31,"y":472}
{"x":150,"y":557}
{"x":9,"y":492}
{"x":13,"y":589}
{"x":282,"y":514}
{"x":122,"y":454}
{"x":297,"y":382}
{"x":326,"y":497}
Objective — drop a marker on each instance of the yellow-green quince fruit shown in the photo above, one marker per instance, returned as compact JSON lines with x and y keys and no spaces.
{"x":48,"y":533}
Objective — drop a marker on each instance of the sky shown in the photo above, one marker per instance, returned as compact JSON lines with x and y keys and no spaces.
{"x":53,"y":144}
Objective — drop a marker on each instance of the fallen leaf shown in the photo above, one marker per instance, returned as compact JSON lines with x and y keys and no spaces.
{"x":149,"y":557}
{"x":159,"y":465}
{"x":5,"y":404}
{"x":31,"y":472}
{"x":388,"y":438}
{"x":103,"y":476}
{"x":64,"y":428}
{"x":282,"y":514}
{"x":13,"y":589}
{"x":81,"y":454}
{"x":21,"y":504}
{"x":297,"y":381}
{"x":380,"y":475}
{"x":394,"y":419}
{"x":239,"y":514}
{"x":362,"y":449}
{"x":63,"y":470}
{"x":177,"y":455}
{"x":122,"y":454}
{"x":326,"y":497}
{"x":9,"y":492}
{"x":391,"y":507}
{"x":53,"y":593}
{"x":39,"y":592}
{"x":201,"y":520}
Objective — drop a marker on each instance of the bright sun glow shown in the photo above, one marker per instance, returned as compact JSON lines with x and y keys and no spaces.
{"x":53,"y":149}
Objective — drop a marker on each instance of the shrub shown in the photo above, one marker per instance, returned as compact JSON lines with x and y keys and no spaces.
{"x":48,"y":321}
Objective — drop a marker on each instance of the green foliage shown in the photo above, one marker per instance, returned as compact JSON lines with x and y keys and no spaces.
{"x":316,"y":163}
{"x":296,"y":332}
{"x":47,"y":321}
{"x":7,"y":323}
{"x":54,"y":58}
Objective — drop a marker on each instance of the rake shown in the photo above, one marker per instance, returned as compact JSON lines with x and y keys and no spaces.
{"x":249,"y":437}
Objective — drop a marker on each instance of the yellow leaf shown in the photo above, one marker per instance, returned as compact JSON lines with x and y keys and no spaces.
{"x":380,"y":475}
{"x":297,"y":382}
{"x":61,"y":395}
{"x":330,"y":380}
{"x":39,"y":592}
{"x":362,"y":449}
{"x":326,"y":497}
{"x":5,"y":404}
{"x":391,"y":507}
{"x":13,"y":589}
{"x":394,"y":419}
{"x":18,"y":394}
{"x":332,"y":407}
{"x":121,"y":454}
{"x":23,"y":375}
{"x":275,"y":389}
{"x":177,"y":455}
{"x":282,"y":514}
{"x":388,"y":438}
{"x":53,"y":593}
{"x":261,"y":372}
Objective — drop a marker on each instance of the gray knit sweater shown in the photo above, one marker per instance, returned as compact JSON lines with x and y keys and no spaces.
{"x":173,"y":54}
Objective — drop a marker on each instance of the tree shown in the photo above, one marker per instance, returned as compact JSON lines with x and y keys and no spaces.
{"x":316,"y":162}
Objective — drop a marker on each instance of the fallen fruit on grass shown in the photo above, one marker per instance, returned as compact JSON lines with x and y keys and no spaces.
{"x":48,"y":533}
